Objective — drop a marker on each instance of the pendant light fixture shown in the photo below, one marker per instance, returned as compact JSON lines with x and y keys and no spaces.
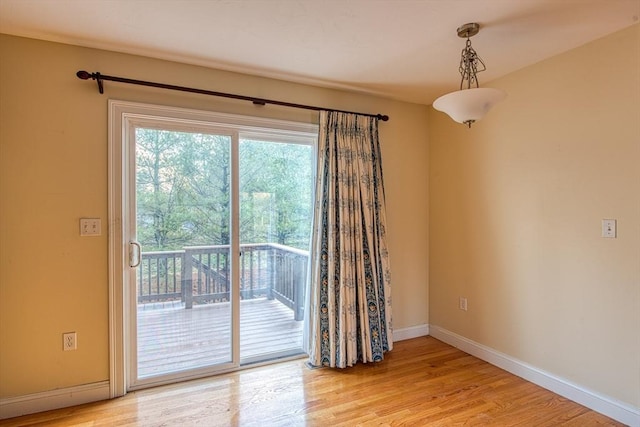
{"x":471,"y":102}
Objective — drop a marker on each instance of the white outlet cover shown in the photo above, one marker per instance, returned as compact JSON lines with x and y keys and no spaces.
{"x":609,"y":228}
{"x":69,"y":341}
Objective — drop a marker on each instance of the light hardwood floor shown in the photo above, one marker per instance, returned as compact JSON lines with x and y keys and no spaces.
{"x":422,"y":382}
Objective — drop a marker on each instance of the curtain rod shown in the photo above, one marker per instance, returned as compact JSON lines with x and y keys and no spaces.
{"x":85,"y":75}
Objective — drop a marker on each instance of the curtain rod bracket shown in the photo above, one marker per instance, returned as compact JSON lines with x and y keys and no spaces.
{"x":100,"y":85}
{"x":99,"y":78}
{"x":85,"y":75}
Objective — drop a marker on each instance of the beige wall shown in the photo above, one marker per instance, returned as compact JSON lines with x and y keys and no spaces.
{"x":53,"y":171}
{"x":516,"y":205}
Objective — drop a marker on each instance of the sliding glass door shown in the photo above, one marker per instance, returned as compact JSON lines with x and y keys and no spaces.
{"x":218,"y":227}
{"x":276,"y":211}
{"x":183,"y":298}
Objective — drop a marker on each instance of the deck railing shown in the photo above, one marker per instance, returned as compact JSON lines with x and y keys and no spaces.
{"x":201,"y":275}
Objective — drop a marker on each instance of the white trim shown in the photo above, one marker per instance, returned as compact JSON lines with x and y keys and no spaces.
{"x":54,"y":399}
{"x":410,"y":332}
{"x":123,"y":117}
{"x":117,"y":336}
{"x":606,"y":405}
{"x":190,"y":118}
{"x":235,"y":248}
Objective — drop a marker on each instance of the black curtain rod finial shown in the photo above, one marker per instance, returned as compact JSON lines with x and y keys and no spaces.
{"x":84,"y":75}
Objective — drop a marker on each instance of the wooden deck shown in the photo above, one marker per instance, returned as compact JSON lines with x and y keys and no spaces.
{"x":172,"y":338}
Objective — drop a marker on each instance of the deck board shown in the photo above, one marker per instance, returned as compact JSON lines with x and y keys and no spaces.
{"x":172,"y":338}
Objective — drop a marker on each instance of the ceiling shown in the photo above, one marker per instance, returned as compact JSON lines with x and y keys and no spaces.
{"x":401,"y":49}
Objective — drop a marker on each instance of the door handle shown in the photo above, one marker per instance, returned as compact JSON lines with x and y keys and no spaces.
{"x":131,"y":252}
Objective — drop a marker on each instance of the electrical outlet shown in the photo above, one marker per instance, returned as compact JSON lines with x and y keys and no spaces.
{"x":69,"y":341}
{"x":609,"y":228}
{"x":462,"y":303}
{"x":90,"y":227}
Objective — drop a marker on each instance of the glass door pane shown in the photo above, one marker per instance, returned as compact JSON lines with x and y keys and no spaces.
{"x":183,"y":283}
{"x":275,"y":227}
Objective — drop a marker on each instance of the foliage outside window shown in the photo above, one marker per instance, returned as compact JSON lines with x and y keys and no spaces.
{"x":183,"y":189}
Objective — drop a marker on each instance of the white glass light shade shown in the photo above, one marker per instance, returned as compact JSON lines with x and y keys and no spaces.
{"x":469,"y":105}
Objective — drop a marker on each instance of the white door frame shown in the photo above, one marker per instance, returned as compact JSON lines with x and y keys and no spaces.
{"x":119,"y":170}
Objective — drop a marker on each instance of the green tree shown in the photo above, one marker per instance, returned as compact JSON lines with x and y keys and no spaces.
{"x":183,"y":190}
{"x":160,"y":190}
{"x":281,"y":176}
{"x":208,"y":195}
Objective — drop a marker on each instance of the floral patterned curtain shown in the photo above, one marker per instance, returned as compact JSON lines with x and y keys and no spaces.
{"x":350,"y":298}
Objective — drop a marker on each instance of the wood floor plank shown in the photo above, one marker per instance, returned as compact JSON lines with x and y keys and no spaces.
{"x":422,"y":382}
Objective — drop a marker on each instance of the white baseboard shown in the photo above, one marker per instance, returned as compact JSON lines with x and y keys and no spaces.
{"x":608,"y":406}
{"x":61,"y":398}
{"x":410,"y":332}
{"x":54,"y":399}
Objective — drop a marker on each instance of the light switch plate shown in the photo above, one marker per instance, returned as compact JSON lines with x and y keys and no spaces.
{"x":609,"y":228}
{"x":90,"y":227}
